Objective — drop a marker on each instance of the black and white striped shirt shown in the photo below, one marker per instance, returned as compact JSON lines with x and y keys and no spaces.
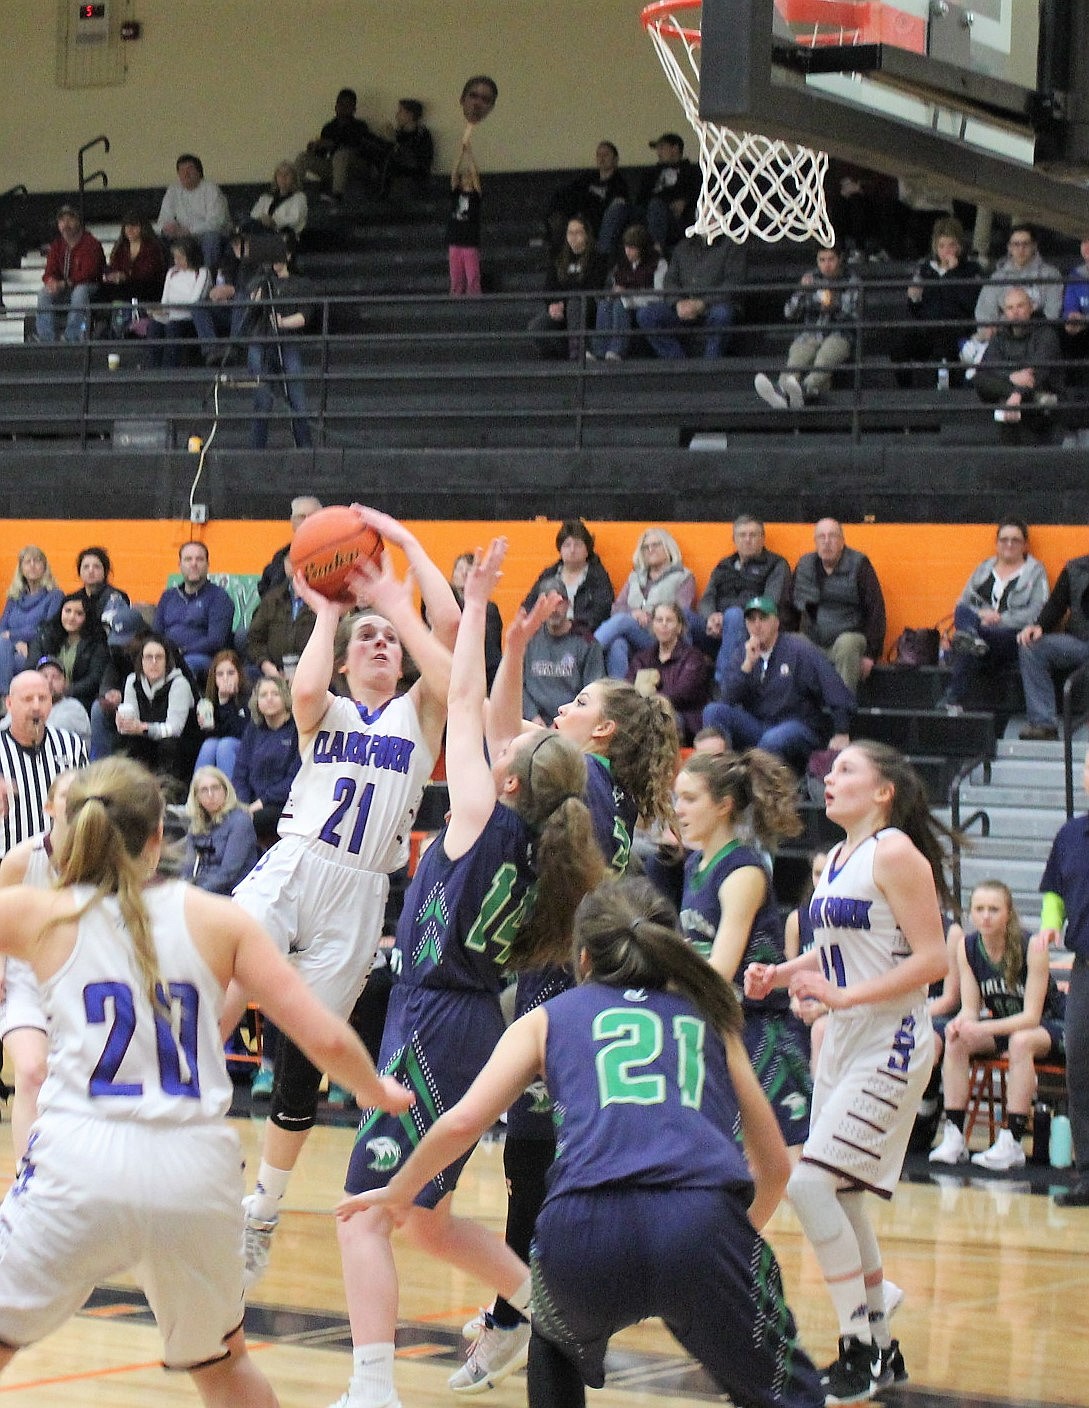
{"x":28,"y":773}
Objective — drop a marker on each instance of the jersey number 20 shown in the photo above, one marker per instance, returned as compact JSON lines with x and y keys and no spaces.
{"x":114,"y":1003}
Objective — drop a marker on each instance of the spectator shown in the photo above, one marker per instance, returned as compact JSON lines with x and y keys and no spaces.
{"x":585,"y":582}
{"x":78,"y":641}
{"x":269,"y":757}
{"x":227,"y":307}
{"x":827,"y":302}
{"x":749,"y":572}
{"x":275,"y":357}
{"x":409,"y":149}
{"x":1022,"y":268}
{"x":137,"y":268}
{"x":559,"y":662}
{"x":941,"y":301}
{"x":32,"y":753}
{"x":698,"y":306}
{"x":463,"y":225}
{"x":1076,"y":314}
{"x":279,"y":629}
{"x":102,"y":599}
{"x":194,"y":206}
{"x":74,"y":268}
{"x":668,"y":193}
{"x":155,"y":720}
{"x":222,"y":713}
{"x":657,"y":575}
{"x":1021,"y":370}
{"x":840,"y":605}
{"x":65,"y":712}
{"x":674,"y":669}
{"x":32,"y":599}
{"x":1057,"y":639}
{"x":220,"y":847}
{"x":338,"y":153}
{"x":1004,"y":594}
{"x":283,"y":205}
{"x":493,"y":621}
{"x":782,"y":695}
{"x":196,"y":616}
{"x":127,"y":631}
{"x":275,"y":571}
{"x":639,"y":269}
{"x":600,"y":196}
{"x":187,"y":283}
{"x":577,"y":269}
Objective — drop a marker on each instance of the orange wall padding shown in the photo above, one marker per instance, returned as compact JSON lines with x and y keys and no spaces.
{"x":922,"y":566}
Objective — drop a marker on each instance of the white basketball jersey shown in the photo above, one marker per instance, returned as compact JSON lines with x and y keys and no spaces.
{"x":358,"y":788}
{"x":39,"y":867}
{"x":110,"y":1057}
{"x":853,"y":927}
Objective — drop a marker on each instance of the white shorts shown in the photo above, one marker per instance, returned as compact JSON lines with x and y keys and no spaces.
{"x":873,"y":1069}
{"x":95,"y":1198}
{"x":22,"y":1003}
{"x":325,"y":917}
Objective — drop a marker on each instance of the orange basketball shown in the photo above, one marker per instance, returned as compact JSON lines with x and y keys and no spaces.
{"x":326,"y":547}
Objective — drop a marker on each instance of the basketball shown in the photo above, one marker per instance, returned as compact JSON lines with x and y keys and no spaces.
{"x":326,"y":547}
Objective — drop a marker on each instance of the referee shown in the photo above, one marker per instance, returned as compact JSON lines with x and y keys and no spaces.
{"x":31,"y":756}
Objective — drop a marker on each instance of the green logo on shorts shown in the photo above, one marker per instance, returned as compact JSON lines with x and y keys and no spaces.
{"x":386,"y":1154}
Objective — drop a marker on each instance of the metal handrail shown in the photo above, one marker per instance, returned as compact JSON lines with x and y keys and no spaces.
{"x":83,"y":179}
{"x":1069,"y":685}
{"x":959,"y":827}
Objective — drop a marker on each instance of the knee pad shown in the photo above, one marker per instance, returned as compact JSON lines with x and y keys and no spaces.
{"x":813,"y":1194}
{"x":295,"y":1089}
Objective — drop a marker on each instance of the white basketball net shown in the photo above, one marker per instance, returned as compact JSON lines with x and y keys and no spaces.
{"x":752,"y":186}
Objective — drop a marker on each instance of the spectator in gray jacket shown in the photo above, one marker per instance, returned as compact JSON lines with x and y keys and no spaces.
{"x":559,"y":663}
{"x":1023,"y":267}
{"x":840,"y":602}
{"x":826,"y":301}
{"x":700,"y":287}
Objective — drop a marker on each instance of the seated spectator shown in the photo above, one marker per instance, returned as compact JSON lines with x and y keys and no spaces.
{"x":137,"y":269}
{"x":156,"y":721}
{"x":658,"y":575}
{"x":220,"y":846}
{"x":698,"y":307}
{"x":1076,"y":317}
{"x":1024,"y":268}
{"x":600,"y":196}
{"x":127,"y":631}
{"x":268,"y":758}
{"x":840,"y":604}
{"x":668,"y":192}
{"x":275,"y":570}
{"x":223,"y":713}
{"x":196,"y":207}
{"x":1057,"y":640}
{"x":279,"y":629}
{"x":585,"y":582}
{"x":711,"y":740}
{"x":196,"y":616}
{"x":782,"y":694}
{"x":493,"y":622}
{"x":1021,"y":371}
{"x":1009,"y":1006}
{"x":101,"y":598}
{"x":674,"y":669}
{"x":559,"y":662}
{"x":65,"y":712}
{"x":187,"y":283}
{"x":74,"y":267}
{"x":409,"y":149}
{"x":78,"y":641}
{"x":275,"y":356}
{"x":283,"y":205}
{"x":827,"y":302}
{"x":1004,"y":594}
{"x":578,"y":268}
{"x":339,"y":152}
{"x":749,"y":572}
{"x":32,"y":599}
{"x":941,"y":306}
{"x":639,"y":269}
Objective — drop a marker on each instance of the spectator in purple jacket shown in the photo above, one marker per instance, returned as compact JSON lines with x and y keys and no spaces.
{"x":196,"y":616}
{"x":32,"y":599}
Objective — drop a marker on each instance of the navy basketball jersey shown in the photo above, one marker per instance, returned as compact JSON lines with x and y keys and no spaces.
{"x":460,"y":915}
{"x":642,"y":1092}
{"x":612,"y":812}
{"x":701,"y":914}
{"x":999,"y":996}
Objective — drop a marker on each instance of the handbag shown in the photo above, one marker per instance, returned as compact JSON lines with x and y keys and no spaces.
{"x":916,"y":646}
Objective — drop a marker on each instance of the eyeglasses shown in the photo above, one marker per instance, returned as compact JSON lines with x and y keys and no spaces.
{"x":1012,"y":542}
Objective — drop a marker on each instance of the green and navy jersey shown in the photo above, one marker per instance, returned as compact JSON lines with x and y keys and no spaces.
{"x":1000,"y":998}
{"x":612,"y":812}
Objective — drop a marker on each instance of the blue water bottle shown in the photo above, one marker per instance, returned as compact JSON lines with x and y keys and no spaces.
{"x":1061,"y":1145}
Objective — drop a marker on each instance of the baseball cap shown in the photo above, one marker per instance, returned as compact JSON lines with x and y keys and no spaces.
{"x":674,"y":138}
{"x":764,"y":604}
{"x":126,"y":625}
{"x":51,"y":660}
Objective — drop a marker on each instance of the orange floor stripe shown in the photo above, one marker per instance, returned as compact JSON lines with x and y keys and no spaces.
{"x":253,"y":1348}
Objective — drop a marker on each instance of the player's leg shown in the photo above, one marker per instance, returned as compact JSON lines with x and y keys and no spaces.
{"x":371,"y":1290}
{"x":234,"y":1382}
{"x":27,"y":1049}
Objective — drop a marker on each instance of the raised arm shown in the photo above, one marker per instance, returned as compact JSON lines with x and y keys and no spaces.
{"x":310,"y":695}
{"x":505,"y":720}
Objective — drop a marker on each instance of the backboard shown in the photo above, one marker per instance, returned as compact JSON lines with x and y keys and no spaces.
{"x":988,"y":99}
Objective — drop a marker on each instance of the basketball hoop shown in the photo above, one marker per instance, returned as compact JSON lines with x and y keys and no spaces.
{"x":752,"y":185}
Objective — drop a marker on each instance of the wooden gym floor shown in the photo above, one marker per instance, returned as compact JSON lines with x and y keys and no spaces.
{"x":997,"y":1307}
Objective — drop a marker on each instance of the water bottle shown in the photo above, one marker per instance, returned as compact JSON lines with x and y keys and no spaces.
{"x":134,"y":316}
{"x":1041,"y":1133}
{"x":1061,"y":1145}
{"x":943,"y":377}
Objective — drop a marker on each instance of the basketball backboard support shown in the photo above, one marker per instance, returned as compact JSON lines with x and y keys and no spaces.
{"x":986,"y":99}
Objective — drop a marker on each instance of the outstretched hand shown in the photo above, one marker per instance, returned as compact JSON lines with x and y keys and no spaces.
{"x":391,"y":529}
{"x":526,"y":624}
{"x":376,"y":585}
{"x":485,"y":572}
{"x":396,"y":1098}
{"x":394,"y":1208}
{"x":318,"y":604}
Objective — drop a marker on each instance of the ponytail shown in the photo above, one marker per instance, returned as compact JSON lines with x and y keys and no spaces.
{"x":762,"y":789}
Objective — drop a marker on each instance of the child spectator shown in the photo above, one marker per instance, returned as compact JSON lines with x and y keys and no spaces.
{"x":463,"y":226}
{"x":638,"y":269}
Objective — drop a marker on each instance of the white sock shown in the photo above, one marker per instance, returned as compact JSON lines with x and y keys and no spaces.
{"x":372,"y":1375}
{"x":267,"y":1196}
